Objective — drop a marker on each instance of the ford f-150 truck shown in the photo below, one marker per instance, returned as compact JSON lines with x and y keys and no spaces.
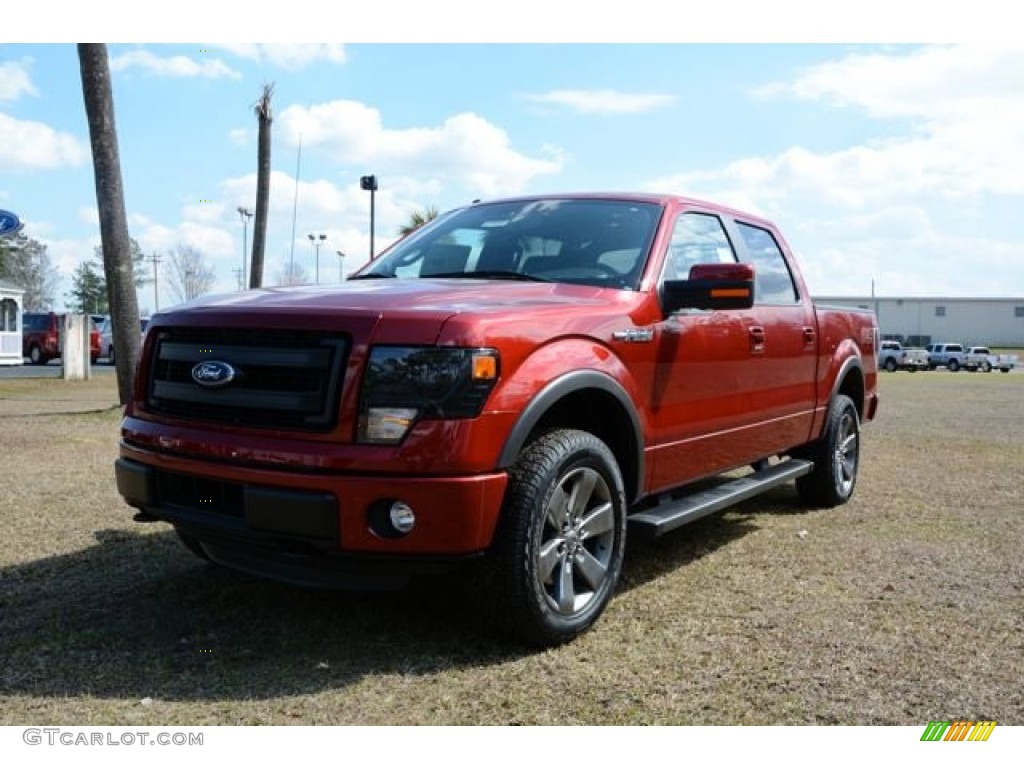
{"x":952,"y":356}
{"x":982,"y":359}
{"x":517,"y":384}
{"x":893,"y":356}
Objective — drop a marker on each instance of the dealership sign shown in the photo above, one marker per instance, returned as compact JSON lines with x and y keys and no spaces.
{"x":9,"y":224}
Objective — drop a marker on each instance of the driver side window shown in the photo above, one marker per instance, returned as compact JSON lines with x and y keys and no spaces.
{"x":697,"y":238}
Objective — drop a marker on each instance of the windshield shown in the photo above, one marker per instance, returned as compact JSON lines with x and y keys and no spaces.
{"x":585,"y":241}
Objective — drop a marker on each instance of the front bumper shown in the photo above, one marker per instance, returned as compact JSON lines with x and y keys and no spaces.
{"x":313,"y":528}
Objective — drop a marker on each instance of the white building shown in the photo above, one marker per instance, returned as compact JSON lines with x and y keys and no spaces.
{"x":10,"y":324}
{"x":918,"y":321}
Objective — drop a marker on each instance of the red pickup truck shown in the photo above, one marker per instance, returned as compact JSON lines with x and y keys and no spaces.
{"x":518,"y":383}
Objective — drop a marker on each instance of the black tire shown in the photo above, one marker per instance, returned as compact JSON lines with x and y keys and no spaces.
{"x":890,"y":365}
{"x":193,"y":545}
{"x":110,"y":355}
{"x":953,"y":365}
{"x":35,"y":355}
{"x":986,"y":367}
{"x":836,"y":458}
{"x":559,"y":545}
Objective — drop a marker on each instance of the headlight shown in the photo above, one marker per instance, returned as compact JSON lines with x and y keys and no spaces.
{"x":405,"y":384}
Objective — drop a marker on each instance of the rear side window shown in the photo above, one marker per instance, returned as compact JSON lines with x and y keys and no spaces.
{"x":773,"y":282}
{"x":34,"y":322}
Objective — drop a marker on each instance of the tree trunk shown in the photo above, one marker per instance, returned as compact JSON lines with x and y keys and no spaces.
{"x":117,"y":254}
{"x":259,"y":229}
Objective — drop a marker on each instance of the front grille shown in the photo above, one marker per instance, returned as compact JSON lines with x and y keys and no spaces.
{"x":284,"y":379}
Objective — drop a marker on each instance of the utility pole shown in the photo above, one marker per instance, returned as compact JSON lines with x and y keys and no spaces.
{"x":155,"y":259}
{"x":245,"y":214}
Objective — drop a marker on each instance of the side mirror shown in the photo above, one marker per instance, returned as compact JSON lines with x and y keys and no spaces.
{"x":711,"y":286}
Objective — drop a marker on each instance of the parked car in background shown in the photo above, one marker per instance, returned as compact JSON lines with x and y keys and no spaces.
{"x":107,"y":337}
{"x":894,"y":357}
{"x":982,"y":359}
{"x":40,"y":337}
{"x":952,"y":356}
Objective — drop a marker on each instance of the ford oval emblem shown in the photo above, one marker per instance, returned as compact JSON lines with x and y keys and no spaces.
{"x":213,"y":373}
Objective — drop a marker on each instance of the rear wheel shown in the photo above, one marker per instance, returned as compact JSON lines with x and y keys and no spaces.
{"x":35,"y":355}
{"x":836,"y":458}
{"x":559,"y":546}
{"x":110,"y":355}
{"x":953,"y":365}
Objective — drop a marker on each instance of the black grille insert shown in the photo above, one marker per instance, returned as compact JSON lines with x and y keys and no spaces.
{"x":284,"y":379}
{"x":198,"y":494}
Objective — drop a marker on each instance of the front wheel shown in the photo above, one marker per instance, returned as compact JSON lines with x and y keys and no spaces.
{"x":953,"y":365}
{"x":559,"y":546}
{"x":836,"y":457}
{"x":890,"y":365}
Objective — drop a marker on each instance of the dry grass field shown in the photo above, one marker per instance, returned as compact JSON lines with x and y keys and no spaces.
{"x":904,"y":606}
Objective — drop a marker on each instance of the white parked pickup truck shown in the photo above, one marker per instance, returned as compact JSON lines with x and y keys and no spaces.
{"x":982,"y":359}
{"x":893,"y":356}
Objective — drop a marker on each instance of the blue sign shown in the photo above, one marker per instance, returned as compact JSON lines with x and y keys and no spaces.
{"x":9,"y":224}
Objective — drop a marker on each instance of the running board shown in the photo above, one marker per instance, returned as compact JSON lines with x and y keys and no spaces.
{"x":672,"y":514}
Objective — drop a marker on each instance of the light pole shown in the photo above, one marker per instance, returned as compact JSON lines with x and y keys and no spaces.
{"x":155,"y":258}
{"x":341,"y":266}
{"x":245,"y":214}
{"x":317,"y":241}
{"x":369,"y":184}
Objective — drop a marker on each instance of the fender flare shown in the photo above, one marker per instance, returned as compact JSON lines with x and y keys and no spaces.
{"x":850,"y":364}
{"x":554,"y":391}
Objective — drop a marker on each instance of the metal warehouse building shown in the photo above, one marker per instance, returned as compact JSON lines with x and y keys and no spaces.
{"x":917,"y":321}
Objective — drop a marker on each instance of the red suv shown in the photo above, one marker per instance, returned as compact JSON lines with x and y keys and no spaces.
{"x":40,"y":337}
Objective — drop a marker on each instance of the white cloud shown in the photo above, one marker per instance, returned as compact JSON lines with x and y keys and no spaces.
{"x":30,"y":145}
{"x":89,"y":214}
{"x":465,"y":148}
{"x":172,"y":66}
{"x":15,"y":81}
{"x":604,"y":102}
{"x":894,"y":208}
{"x":288,"y":56}
{"x":239,"y":137}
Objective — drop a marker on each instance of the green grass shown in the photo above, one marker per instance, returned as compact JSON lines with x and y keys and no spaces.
{"x":904,"y":606}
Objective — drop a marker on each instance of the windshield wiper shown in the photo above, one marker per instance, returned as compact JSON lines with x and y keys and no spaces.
{"x":491,"y":274}
{"x":369,"y":276}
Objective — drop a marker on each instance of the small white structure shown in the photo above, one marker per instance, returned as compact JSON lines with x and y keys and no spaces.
{"x":916,"y":321}
{"x":10,"y":324}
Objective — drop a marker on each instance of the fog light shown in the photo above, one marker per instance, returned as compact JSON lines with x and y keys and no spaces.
{"x":390,"y":518}
{"x":402,"y":517}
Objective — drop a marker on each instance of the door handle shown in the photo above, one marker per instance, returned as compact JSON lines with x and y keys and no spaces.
{"x":809,"y":336}
{"x":756,"y":339}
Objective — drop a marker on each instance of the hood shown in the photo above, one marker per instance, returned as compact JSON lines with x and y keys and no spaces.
{"x":413,"y":309}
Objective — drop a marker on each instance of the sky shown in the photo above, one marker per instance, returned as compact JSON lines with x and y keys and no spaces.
{"x":885,"y":163}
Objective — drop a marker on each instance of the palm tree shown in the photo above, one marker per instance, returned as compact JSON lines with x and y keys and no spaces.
{"x":417,"y":219}
{"x":117,"y":253}
{"x":259,"y":230}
